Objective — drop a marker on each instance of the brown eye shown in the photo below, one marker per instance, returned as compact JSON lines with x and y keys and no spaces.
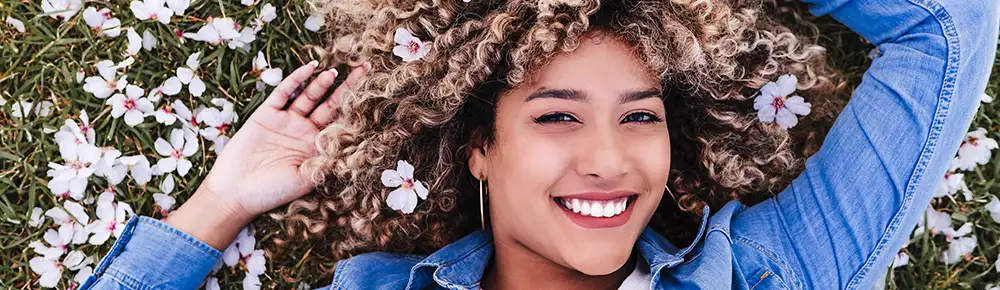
{"x":641,"y":117}
{"x":556,"y":118}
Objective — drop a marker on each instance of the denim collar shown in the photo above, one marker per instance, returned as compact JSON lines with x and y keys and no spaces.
{"x":460,"y":265}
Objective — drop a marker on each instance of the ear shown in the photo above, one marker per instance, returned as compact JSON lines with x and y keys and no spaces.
{"x":477,"y":156}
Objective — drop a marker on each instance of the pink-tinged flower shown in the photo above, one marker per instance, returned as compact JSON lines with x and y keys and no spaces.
{"x":111,"y":218}
{"x":36,"y":219}
{"x":78,"y":134}
{"x":61,"y":9}
{"x":107,"y":83}
{"x":148,"y":40}
{"x":178,"y":6}
{"x":164,"y":201}
{"x":50,"y":270}
{"x":14,"y":22}
{"x":958,"y":248}
{"x":188,"y":75}
{"x":183,"y":143}
{"x":101,"y":21}
{"x":132,"y":105}
{"x":151,"y":9}
{"x":219,"y":122}
{"x":776,"y":103}
{"x":70,"y":178}
{"x":403,"y":198}
{"x":240,"y":249}
{"x":139,"y":168}
{"x":408,"y":47}
{"x":953,"y":183}
{"x":170,"y":87}
{"x":976,"y":149}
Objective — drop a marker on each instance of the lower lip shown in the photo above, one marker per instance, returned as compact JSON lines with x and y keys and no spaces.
{"x":590,"y":222}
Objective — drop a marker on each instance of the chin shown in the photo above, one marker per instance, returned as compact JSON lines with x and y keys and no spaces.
{"x":602,"y":261}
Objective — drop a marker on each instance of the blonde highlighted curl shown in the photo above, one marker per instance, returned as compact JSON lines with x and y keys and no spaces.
{"x":711,"y":55}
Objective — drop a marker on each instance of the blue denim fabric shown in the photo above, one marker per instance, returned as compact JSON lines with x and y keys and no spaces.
{"x":837,"y":225}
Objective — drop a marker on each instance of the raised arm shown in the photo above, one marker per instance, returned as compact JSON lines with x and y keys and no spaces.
{"x":841,"y":221}
{"x":260,"y":169}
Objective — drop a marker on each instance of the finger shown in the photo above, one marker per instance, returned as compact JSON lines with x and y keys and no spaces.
{"x":327,"y":111}
{"x":304,"y":103}
{"x":280,"y":95}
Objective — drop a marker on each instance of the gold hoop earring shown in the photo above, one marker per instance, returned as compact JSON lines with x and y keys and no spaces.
{"x":482,"y":215}
{"x":670,"y":192}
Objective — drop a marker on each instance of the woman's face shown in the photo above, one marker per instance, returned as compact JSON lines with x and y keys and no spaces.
{"x":580,"y":158}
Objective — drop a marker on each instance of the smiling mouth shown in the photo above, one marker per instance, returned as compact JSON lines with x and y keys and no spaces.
{"x":596,"y":208}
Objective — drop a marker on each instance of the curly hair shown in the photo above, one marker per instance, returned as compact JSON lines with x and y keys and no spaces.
{"x":712,"y":57}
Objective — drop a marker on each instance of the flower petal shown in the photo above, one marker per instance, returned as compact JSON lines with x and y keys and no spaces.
{"x":420,"y":189}
{"x":405,"y":169}
{"x":798,"y":106}
{"x":397,"y":199}
{"x":196,"y":87}
{"x":786,"y":85}
{"x":391,"y":178}
{"x":163,"y":147}
{"x":271,"y":76}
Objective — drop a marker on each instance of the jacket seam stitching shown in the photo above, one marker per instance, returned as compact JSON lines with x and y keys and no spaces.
{"x":941,"y":113}
{"x":770,"y":256}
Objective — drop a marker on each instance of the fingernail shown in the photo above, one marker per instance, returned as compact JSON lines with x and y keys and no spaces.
{"x":314,"y":63}
{"x":334,"y":71}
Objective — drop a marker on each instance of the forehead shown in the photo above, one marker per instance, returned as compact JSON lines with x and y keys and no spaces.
{"x":601,"y":65}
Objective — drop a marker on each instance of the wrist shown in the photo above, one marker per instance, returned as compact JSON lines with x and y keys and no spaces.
{"x":206,"y":218}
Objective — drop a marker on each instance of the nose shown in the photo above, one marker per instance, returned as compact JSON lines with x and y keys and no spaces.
{"x":602,"y":155}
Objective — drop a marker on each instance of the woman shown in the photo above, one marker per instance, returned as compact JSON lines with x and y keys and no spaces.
{"x":553,"y":126}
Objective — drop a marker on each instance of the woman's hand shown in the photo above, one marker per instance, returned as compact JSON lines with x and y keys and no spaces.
{"x":260,"y":169}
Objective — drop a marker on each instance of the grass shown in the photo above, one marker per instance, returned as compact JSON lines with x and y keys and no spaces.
{"x":40,"y":65}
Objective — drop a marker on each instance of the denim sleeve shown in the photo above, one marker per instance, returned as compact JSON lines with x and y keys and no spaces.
{"x":153,"y":255}
{"x":841,"y":221}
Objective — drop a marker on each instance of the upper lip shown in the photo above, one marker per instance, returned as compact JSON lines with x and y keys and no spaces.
{"x":600,"y":195}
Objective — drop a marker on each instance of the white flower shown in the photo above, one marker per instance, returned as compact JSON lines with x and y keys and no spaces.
{"x":107,"y":83}
{"x":315,"y":22}
{"x":251,"y":282}
{"x":80,"y":74}
{"x":178,"y":6}
{"x":957,"y":249}
{"x":902,"y":259}
{"x":79,"y":134}
{"x":138,"y":166}
{"x":165,"y":114}
{"x":163,"y":201}
{"x":256,"y":263}
{"x":36,"y":217}
{"x":101,"y":21}
{"x":940,"y":223}
{"x":212,"y":283}
{"x":58,"y":242}
{"x":51,"y":270}
{"x":109,"y":166}
{"x":189,"y":118}
{"x":43,"y":109}
{"x":132,"y":105}
{"x":148,"y":40}
{"x":775,"y":103}
{"x":167,"y":186}
{"x":21,"y":109}
{"x":111,"y":218}
{"x":82,"y":275}
{"x":985,"y":98}
{"x":218,"y":123}
{"x":125,"y":63}
{"x":14,"y":22}
{"x":187,"y":75}
{"x":183,"y":143}
{"x":403,"y":198}
{"x":246,"y":2}
{"x":61,"y":9}
{"x":268,"y":13}
{"x":70,"y":179}
{"x":976,"y":150}
{"x":993,"y":207}
{"x":134,"y":42}
{"x":408,"y":47}
{"x":271,"y":76}
{"x":241,"y":247}
{"x":951,"y":184}
{"x":170,"y":87}
{"x":216,"y":31}
{"x":151,"y":9}
{"x":246,"y":36}
{"x":70,"y":213}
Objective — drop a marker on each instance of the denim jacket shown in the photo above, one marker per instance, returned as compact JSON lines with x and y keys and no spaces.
{"x":838,"y":225}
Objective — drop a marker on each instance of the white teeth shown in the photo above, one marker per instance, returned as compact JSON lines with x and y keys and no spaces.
{"x":596,"y":208}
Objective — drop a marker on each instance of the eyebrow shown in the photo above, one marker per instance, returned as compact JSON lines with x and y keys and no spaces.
{"x":575,"y":95}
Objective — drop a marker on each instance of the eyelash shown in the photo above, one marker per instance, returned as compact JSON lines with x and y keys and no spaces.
{"x":558,"y":117}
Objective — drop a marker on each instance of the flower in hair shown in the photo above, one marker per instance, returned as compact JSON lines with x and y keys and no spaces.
{"x":775,"y":103}
{"x":404,"y":198}
{"x":408,"y":47}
